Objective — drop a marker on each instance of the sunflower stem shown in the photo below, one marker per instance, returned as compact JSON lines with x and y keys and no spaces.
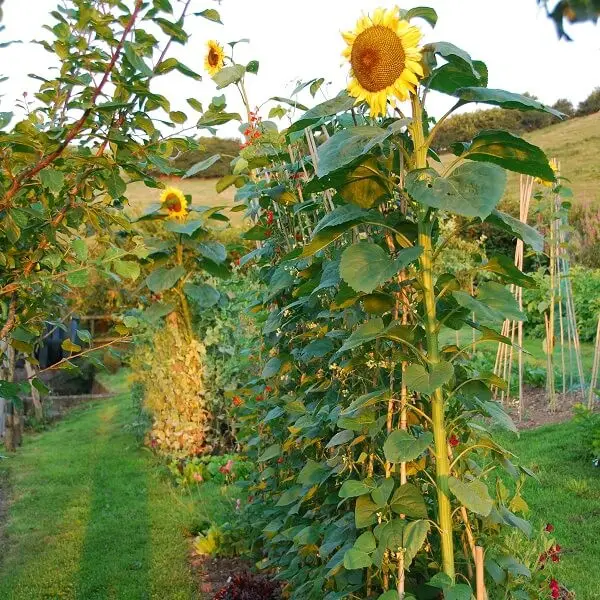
{"x":442,"y":462}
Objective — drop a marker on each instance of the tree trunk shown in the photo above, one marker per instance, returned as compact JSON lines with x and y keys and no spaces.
{"x":36,"y":397}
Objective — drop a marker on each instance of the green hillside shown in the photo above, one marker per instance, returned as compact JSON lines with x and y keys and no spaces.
{"x":576,"y":145}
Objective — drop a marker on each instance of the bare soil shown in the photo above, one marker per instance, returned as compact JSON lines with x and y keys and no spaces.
{"x":214,"y":573}
{"x":537,"y":412}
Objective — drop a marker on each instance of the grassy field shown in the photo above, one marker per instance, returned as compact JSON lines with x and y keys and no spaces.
{"x":568,"y":496}
{"x":203,"y":193}
{"x":93,"y":518}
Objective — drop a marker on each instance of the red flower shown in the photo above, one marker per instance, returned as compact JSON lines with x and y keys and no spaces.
{"x":260,"y":397}
{"x":268,"y":389}
{"x":280,"y":460}
{"x":237,"y":401}
{"x":226,"y":469}
{"x":549,"y":528}
{"x":454,"y":441}
{"x":554,"y":589}
{"x":269,"y":216}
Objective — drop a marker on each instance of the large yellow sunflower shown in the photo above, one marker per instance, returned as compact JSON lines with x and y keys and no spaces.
{"x":384,"y":53}
{"x":215,"y":57}
{"x":174,"y":200}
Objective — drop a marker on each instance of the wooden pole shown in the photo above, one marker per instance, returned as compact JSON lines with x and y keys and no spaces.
{"x":595,"y":368}
{"x":479,"y":573}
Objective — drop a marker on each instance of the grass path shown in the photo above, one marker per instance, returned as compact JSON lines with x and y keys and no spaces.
{"x":92,"y":518}
{"x":568,"y":496}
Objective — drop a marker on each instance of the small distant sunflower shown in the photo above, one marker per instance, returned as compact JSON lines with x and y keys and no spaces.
{"x":385,"y":58}
{"x":554,"y":166}
{"x":215,"y":57}
{"x":174,"y":200}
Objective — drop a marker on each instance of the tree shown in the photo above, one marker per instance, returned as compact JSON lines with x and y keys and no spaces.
{"x":564,"y":106}
{"x":590,"y":105}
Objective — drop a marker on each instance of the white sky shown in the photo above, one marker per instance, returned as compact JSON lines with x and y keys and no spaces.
{"x":296,"y":40}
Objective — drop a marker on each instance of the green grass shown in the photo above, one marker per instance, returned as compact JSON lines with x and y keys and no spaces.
{"x":568,"y":496}
{"x":93,"y":517}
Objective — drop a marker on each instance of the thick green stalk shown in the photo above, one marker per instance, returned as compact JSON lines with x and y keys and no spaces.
{"x":442,"y":461}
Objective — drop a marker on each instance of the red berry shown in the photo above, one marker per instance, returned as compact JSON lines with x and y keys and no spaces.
{"x":454,"y":441}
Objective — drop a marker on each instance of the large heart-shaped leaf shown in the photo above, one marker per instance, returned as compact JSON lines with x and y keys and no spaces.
{"x":417,"y":378}
{"x":328,"y":108}
{"x":474,"y":495}
{"x":401,"y":446}
{"x":521,"y":230}
{"x":510,"y":152}
{"x":472,"y":190}
{"x":204,"y":294}
{"x":408,"y":500}
{"x":163,"y":279}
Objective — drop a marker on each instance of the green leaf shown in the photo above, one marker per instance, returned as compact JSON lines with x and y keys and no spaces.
{"x":329,"y":108}
{"x":452,"y":53}
{"x":211,"y":14}
{"x":471,"y":190}
{"x":115,"y":186}
{"x":128,"y":269}
{"x":356,"y":559}
{"x":5,"y":118}
{"x":270,"y":453}
{"x":460,"y":591}
{"x":454,"y":75}
{"x":203,"y":294}
{"x":186,"y":228}
{"x":352,"y":488}
{"x":521,"y":230}
{"x":401,"y":446}
{"x":474,"y":495}
{"x":341,"y":437}
{"x":290,"y":496}
{"x":415,"y":534}
{"x":365,"y":512}
{"x":163,"y":279}
{"x":173,"y":30}
{"x":178,"y":116}
{"x":503,"y":99}
{"x":229,"y":75}
{"x":135,"y":60}
{"x":382,"y":493}
{"x":272,"y":367}
{"x":344,"y":147}
{"x":79,"y":278}
{"x":312,"y":473}
{"x":408,"y":500}
{"x":505,"y":267}
{"x":80,"y":248}
{"x":343,"y":214}
{"x":202,"y":165}
{"x":252,"y":67}
{"x":52,"y":179}
{"x":422,"y":12}
{"x":417,"y":378}
{"x":364,"y":333}
{"x":365,"y":266}
{"x":510,"y":152}
{"x":366,"y":542}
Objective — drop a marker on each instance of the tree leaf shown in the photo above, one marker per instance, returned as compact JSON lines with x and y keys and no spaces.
{"x":401,"y":446}
{"x":472,"y":190}
{"x":474,"y":495}
{"x":202,"y":165}
{"x":270,"y":453}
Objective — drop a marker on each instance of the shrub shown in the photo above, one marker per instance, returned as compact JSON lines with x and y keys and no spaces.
{"x":246,"y":586}
{"x":586,"y":296}
{"x":589,"y":428}
{"x":209,"y":146}
{"x":590,"y":105}
{"x":585,"y":239}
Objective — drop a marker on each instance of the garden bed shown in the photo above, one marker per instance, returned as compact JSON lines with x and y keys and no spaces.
{"x":536,"y":411}
{"x":213,"y":573}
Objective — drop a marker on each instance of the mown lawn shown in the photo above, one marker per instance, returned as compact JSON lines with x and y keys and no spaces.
{"x":94,"y":518}
{"x":568,"y":496}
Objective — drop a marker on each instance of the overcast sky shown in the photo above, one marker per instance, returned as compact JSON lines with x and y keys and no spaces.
{"x":300,"y":40}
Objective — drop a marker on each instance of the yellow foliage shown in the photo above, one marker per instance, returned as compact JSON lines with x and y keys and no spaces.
{"x":170,"y":370}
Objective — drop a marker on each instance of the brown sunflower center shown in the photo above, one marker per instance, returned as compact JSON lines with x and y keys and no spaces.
{"x":213,"y":58}
{"x":378,"y":58}
{"x":173,"y":203}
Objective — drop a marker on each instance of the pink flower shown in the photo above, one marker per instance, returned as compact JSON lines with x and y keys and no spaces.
{"x":198,"y":477}
{"x":226,"y":468}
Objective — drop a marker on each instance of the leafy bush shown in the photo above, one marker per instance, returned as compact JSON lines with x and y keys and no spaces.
{"x":249,"y":587}
{"x":589,"y":427}
{"x":209,"y":146}
{"x":225,"y":541}
{"x":590,"y":105}
{"x":586,"y":296}
{"x":585,"y":239}
{"x":219,"y":469}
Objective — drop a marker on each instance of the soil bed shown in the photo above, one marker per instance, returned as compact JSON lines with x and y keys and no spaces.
{"x":214,"y":573}
{"x":536,"y":411}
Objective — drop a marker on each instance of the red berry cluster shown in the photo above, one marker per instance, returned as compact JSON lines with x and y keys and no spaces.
{"x":554,"y":589}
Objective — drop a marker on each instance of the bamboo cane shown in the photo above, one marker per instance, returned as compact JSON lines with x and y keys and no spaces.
{"x":595,"y":368}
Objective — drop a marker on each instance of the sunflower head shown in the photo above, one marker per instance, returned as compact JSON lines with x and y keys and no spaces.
{"x":385,"y":59}
{"x":215,"y":57}
{"x":174,"y":200}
